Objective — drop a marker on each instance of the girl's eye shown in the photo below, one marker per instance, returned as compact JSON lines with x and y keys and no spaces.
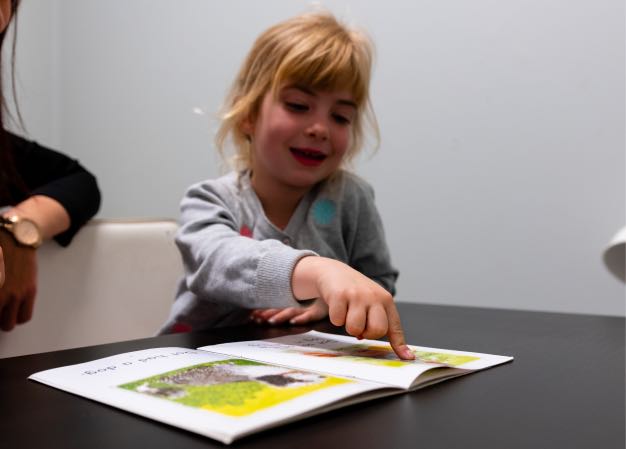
{"x":297,"y":107}
{"x":341,"y":119}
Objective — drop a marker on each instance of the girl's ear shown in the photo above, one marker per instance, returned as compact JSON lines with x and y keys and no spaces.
{"x":247,"y":127}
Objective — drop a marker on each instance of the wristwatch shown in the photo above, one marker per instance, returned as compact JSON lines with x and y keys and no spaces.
{"x":24,"y":231}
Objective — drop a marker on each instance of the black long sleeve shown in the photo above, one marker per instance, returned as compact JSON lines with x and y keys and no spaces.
{"x":55,"y":175}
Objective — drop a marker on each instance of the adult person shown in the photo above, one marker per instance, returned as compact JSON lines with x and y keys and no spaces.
{"x":43,"y":195}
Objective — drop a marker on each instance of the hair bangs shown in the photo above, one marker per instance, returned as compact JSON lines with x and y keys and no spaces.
{"x":328,"y":63}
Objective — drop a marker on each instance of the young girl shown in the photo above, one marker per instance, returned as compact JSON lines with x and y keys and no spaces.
{"x":291,"y":236}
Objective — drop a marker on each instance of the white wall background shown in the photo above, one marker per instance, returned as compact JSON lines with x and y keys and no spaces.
{"x":501,"y":172}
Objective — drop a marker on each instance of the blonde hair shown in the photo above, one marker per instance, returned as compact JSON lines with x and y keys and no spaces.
{"x":312,"y":49}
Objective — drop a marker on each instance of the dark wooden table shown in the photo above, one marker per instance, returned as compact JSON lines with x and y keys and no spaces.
{"x":565,"y":389}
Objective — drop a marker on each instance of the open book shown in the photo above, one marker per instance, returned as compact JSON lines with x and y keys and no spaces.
{"x":230,"y":390}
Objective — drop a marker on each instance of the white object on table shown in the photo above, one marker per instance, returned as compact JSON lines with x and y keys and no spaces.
{"x":614,"y":255}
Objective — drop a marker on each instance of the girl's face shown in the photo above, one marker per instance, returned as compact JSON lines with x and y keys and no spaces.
{"x":300,"y":136}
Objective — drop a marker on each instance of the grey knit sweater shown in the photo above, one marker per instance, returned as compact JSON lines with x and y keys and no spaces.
{"x":235,"y":259}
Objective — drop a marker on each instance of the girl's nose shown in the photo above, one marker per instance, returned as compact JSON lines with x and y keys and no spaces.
{"x":318,"y":130}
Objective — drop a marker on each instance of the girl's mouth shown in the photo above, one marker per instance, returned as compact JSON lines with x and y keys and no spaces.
{"x":307,"y":156}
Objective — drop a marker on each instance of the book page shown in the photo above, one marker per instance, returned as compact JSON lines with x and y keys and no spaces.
{"x":215,"y":395}
{"x":370,"y":360}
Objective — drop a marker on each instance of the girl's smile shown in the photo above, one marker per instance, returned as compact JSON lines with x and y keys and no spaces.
{"x":309,"y":157}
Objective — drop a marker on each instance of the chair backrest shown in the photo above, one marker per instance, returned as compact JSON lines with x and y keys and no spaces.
{"x":115,"y":282}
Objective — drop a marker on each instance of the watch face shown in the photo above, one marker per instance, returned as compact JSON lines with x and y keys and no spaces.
{"x":27,"y":233}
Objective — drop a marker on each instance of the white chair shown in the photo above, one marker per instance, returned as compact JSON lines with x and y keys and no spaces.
{"x":115,"y":282}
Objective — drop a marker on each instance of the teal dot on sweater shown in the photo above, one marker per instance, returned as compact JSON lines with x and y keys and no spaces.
{"x":324,"y":211}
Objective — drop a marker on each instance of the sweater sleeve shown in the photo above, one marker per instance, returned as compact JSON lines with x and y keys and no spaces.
{"x":55,"y":175}
{"x":225,"y":267}
{"x":369,"y":253}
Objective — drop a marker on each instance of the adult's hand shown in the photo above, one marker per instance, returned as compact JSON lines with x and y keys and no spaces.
{"x":17,"y":294}
{"x":1,"y":268}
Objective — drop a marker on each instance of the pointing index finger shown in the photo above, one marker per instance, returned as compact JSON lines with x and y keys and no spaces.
{"x":396,"y":334}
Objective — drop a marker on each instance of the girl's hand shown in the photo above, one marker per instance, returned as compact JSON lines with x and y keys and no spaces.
{"x":361,"y":305}
{"x":17,"y":295}
{"x":294,"y":315}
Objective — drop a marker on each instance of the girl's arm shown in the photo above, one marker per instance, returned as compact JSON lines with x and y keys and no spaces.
{"x":358,"y":295}
{"x":361,"y":305}
{"x":223,"y":266}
